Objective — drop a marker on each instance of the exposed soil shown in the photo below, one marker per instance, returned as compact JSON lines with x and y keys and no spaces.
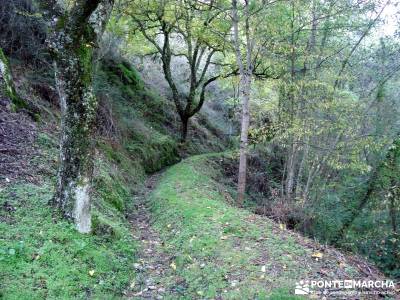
{"x":152,"y":263}
{"x":17,"y":136}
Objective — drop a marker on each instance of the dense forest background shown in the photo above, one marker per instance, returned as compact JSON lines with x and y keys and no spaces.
{"x":301,"y":97}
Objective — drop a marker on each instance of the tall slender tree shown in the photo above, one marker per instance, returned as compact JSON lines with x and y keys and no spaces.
{"x":245,"y":70}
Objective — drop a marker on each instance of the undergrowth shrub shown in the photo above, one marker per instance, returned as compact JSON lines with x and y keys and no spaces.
{"x":23,"y":31}
{"x":135,"y":115}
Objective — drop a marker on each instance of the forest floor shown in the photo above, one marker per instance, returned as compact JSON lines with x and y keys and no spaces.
{"x":152,"y":262}
{"x":17,"y":148}
{"x":195,"y":245}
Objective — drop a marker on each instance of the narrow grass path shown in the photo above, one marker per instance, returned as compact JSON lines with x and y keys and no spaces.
{"x":152,"y":262}
{"x":195,"y":245}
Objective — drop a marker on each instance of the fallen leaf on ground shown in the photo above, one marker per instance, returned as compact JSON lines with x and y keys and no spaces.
{"x":317,"y":255}
{"x":263,"y":269}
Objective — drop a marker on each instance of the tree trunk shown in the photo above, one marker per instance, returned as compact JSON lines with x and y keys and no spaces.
{"x":78,"y":108}
{"x":291,"y":171}
{"x":300,"y":172}
{"x":184,"y":129}
{"x":72,"y":47}
{"x":244,"y":139}
{"x":393,"y":207}
{"x":245,"y":76}
{"x":292,"y":145}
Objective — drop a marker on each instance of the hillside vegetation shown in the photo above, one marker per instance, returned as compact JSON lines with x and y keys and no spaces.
{"x":210,"y":247}
{"x":42,"y":256}
{"x":192,"y":149}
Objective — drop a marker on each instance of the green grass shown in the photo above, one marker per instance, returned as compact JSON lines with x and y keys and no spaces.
{"x":43,"y":256}
{"x":219,"y":249}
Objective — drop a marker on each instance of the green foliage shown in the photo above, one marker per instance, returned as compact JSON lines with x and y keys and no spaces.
{"x":85,"y":54}
{"x":194,"y":17}
{"x":111,"y":187}
{"x":375,"y":231}
{"x":384,"y":251}
{"x":125,"y":169}
{"x":157,"y":152}
{"x":125,"y":76}
{"x":283,"y":294}
{"x":336,"y":155}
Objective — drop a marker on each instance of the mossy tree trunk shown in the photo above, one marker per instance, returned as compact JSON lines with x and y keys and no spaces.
{"x":184,"y":128}
{"x":73,"y":46}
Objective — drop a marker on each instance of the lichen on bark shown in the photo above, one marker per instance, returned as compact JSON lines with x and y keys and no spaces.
{"x":74,"y":82}
{"x":72,"y":47}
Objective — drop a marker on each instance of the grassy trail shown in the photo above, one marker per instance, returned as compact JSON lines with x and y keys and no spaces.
{"x":151,"y":262}
{"x":195,"y":245}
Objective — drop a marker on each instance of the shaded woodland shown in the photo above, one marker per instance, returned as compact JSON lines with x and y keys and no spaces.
{"x":287,"y":111}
